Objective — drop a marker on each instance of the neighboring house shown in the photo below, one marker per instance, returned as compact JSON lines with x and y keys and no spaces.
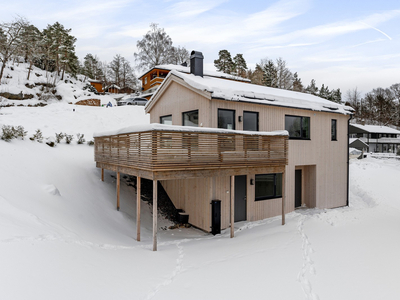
{"x":255,"y":151}
{"x":127,"y":90}
{"x":380,"y":139}
{"x":358,"y":144}
{"x":97,"y":85}
{"x":114,"y":89}
{"x":152,"y":79}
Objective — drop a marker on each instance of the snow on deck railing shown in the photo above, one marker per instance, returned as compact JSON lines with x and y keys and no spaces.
{"x":157,"y":147}
{"x":176,"y":128}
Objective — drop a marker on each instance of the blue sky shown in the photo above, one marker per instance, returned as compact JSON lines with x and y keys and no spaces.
{"x":343,"y":44}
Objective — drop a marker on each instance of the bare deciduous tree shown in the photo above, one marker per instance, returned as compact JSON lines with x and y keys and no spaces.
{"x":10,"y":34}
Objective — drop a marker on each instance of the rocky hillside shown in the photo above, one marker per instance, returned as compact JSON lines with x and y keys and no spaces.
{"x":45,"y":87}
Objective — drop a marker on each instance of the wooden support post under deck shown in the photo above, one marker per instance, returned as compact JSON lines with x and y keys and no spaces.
{"x":283,"y":198}
{"x":232,"y":206}
{"x":102,"y":174}
{"x":118,"y":187}
{"x":154,"y":215}
{"x":138,"y":191}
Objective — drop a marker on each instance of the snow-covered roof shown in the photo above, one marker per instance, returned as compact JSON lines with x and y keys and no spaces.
{"x":113,"y":86}
{"x":94,"y":80}
{"x":252,"y":93}
{"x":176,"y":128}
{"x":352,"y":140}
{"x":183,"y":69}
{"x":375,"y":129}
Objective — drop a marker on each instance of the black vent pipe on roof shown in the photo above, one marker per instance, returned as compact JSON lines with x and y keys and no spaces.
{"x":196,"y":63}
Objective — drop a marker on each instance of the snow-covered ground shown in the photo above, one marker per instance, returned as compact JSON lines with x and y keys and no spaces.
{"x":61,"y":236}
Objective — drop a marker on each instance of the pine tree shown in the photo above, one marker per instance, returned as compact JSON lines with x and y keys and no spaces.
{"x":323,"y":92}
{"x":270,"y":74}
{"x":91,"y":67}
{"x":240,"y":65}
{"x":30,"y":46}
{"x":224,"y":63}
{"x":256,"y":76}
{"x":336,"y":96}
{"x":297,"y":85}
{"x":312,"y":88}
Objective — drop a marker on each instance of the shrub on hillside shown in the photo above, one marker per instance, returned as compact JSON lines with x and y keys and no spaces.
{"x":81,"y":139}
{"x":69,"y":138}
{"x":7,"y":133}
{"x":10,"y":132}
{"x":38,"y":136}
{"x":59,"y":136}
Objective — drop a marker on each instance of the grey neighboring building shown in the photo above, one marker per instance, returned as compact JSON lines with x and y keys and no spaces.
{"x":380,"y":139}
{"x":358,"y":144}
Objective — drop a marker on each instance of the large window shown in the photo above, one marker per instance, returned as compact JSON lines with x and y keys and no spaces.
{"x":226,"y":118}
{"x":298,"y":127}
{"x":190,"y":118}
{"x":167,"y":120}
{"x":268,"y":186}
{"x":250,"y":120}
{"x":333,"y":130}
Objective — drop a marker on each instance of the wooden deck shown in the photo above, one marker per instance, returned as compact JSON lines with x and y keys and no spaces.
{"x":174,"y":154}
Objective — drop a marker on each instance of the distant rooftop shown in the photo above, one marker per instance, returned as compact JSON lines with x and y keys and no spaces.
{"x":184,"y":69}
{"x":373,"y":129}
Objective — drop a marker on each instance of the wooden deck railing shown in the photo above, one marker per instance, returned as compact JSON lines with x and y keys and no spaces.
{"x":163,"y":150}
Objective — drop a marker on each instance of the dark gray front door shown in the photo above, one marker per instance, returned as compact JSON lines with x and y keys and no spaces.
{"x":240,"y":198}
{"x":297,"y":188}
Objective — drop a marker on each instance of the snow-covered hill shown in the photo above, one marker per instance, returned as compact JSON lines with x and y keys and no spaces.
{"x":61,"y":236}
{"x":44,"y":87}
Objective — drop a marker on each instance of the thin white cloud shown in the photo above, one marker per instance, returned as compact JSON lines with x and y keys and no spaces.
{"x":233,"y":28}
{"x":321,"y":33}
{"x":190,"y":9}
{"x":377,"y":30}
{"x":368,"y":42}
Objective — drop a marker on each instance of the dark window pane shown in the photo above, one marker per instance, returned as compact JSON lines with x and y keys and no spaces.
{"x":250,"y":121}
{"x":298,"y":127}
{"x":265,"y":186}
{"x":306,"y":128}
{"x":293,"y":126}
{"x":191,"y":118}
{"x":278,"y":185}
{"x":226,"y":119}
{"x":333,"y":130}
{"x":166,"y":120}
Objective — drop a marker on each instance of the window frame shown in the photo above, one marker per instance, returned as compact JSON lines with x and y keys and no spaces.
{"x":161,"y":117}
{"x":333,"y":130}
{"x":275,"y":195}
{"x":190,"y":111}
{"x":234,"y":117}
{"x":258,"y":118}
{"x":301,"y":128}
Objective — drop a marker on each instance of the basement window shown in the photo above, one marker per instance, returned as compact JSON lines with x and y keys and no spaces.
{"x":268,"y":186}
